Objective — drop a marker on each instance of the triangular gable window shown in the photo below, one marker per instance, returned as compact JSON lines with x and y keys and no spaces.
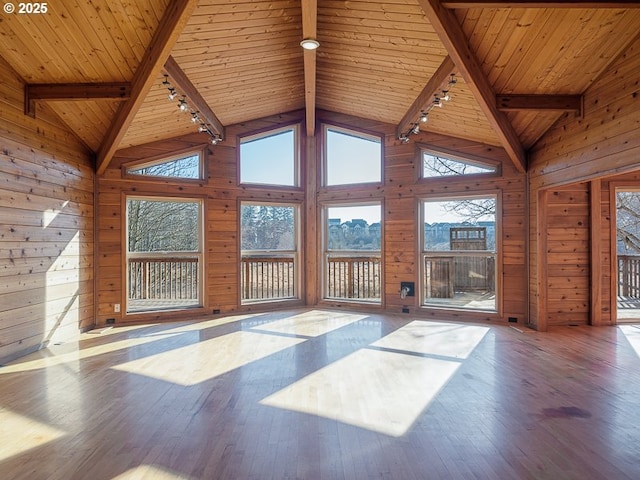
{"x":184,"y":166}
{"x":436,"y":165}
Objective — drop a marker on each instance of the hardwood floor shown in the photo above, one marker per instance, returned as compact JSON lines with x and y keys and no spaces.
{"x":314,"y":394}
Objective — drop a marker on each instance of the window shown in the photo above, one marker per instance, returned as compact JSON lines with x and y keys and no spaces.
{"x":459,"y":253}
{"x":164,"y":253}
{"x":270,"y":159}
{"x":269,"y":243}
{"x":183,"y":166}
{"x":436,"y":165}
{"x":352,"y":266}
{"x":351,"y":157}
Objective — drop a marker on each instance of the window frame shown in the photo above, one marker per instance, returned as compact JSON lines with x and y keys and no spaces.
{"x":497,"y":254}
{"x":450,"y":155}
{"x":296,"y":254}
{"x":200,"y":254}
{"x":375,"y":137}
{"x":200,"y":152}
{"x":324,"y":252}
{"x":297,"y":173}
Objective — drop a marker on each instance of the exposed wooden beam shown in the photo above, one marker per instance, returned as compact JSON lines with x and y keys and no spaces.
{"x":171,"y":25}
{"x":539,"y":4}
{"x":425,"y":98}
{"x":71,"y":92}
{"x":455,"y":42}
{"x":187,"y":88}
{"x":309,"y":30}
{"x":560,"y":103}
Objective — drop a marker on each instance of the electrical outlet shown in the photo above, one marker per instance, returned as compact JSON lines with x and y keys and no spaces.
{"x":116,"y":308}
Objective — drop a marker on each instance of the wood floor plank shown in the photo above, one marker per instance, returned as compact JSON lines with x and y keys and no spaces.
{"x":326,"y":399}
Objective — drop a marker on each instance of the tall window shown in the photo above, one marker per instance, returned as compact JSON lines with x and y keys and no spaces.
{"x":352,"y":266}
{"x":269,"y":242}
{"x":351,"y":157}
{"x":271,"y":158}
{"x":185,"y":166}
{"x":459,"y":253}
{"x":164,"y":253}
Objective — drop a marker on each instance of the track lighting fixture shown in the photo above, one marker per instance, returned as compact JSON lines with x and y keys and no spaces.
{"x":438,"y":101}
{"x":183,"y":105}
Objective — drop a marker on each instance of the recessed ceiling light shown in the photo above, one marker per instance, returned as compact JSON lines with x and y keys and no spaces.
{"x":309,"y":44}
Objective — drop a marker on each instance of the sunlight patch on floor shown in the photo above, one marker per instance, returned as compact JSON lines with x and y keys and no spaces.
{"x":50,"y":358}
{"x":150,"y":472}
{"x":19,"y":434}
{"x":632,"y":333}
{"x":380,"y":391}
{"x":434,"y":338}
{"x":193,"y":364}
{"x":216,"y":322}
{"x":311,"y":324}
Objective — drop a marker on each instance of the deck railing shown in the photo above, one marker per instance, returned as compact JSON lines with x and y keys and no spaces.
{"x":268,"y":277}
{"x":164,"y":279}
{"x":446,"y":274}
{"x":629,"y":276}
{"x":353,"y":277}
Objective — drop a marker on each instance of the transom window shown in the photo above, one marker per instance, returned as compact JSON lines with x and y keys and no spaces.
{"x":438,"y":165}
{"x":351,"y":157}
{"x":186,"y":165}
{"x":459,"y":253}
{"x":270,"y":158}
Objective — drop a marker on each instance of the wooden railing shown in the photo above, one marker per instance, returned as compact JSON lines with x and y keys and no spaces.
{"x":268,"y":277}
{"x":629,"y":276}
{"x":353,"y":277}
{"x":163,"y":278}
{"x":447,"y":274}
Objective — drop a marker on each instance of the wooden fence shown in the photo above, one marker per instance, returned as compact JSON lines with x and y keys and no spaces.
{"x":445,"y":275}
{"x":268,"y":277}
{"x":353,"y":277}
{"x":629,"y":276}
{"x":163,"y":278}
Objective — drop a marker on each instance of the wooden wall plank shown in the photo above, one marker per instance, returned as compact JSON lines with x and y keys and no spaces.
{"x":46,"y":228}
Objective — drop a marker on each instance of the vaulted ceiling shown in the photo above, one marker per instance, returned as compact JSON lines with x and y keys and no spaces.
{"x":518,"y":66}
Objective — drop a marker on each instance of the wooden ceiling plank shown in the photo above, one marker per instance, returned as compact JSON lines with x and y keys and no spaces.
{"x":173,"y":21}
{"x":309,"y":30}
{"x":539,"y":4}
{"x":560,"y":103}
{"x":187,"y":88}
{"x":454,"y":40}
{"x":425,"y":97}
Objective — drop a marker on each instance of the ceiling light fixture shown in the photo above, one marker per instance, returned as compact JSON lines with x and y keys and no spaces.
{"x":438,"y":101}
{"x":182,"y":105}
{"x":309,"y":44}
{"x":203,"y":125}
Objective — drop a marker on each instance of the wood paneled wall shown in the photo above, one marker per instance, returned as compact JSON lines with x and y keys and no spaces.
{"x":399,"y":195}
{"x":602,"y":143}
{"x":46,"y":227}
